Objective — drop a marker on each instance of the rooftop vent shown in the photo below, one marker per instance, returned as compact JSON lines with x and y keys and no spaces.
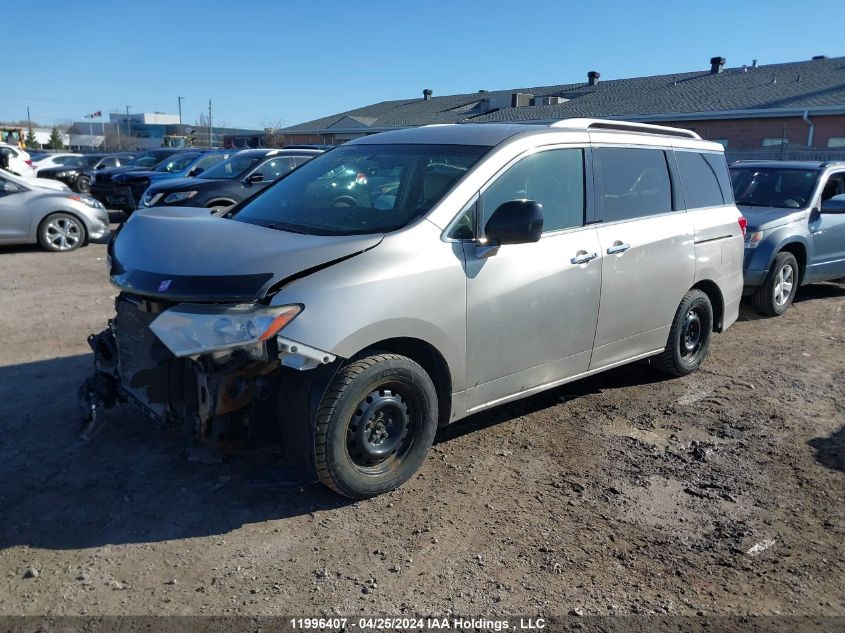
{"x":521,"y":99}
{"x":593,"y":77}
{"x":427,"y":94}
{"x":716,"y":65}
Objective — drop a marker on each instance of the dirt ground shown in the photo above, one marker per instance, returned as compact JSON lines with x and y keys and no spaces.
{"x":628,"y":493}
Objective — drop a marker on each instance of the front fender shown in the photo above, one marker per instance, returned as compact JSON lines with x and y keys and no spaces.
{"x":758,"y":260}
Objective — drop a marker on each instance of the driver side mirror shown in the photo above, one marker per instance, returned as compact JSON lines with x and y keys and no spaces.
{"x":836,"y":204}
{"x":258,"y":177}
{"x":196,"y":171}
{"x":515,"y":222}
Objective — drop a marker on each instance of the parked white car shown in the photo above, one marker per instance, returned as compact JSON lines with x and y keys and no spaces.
{"x":16,"y":160}
{"x":56,"y":160}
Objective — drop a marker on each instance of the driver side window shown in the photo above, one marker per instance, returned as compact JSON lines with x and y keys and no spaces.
{"x":835,"y":186}
{"x":554,"y":178}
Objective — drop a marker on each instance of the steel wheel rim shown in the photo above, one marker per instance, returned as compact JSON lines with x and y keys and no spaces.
{"x":784,"y":283}
{"x":382,"y":430}
{"x":692,"y":333}
{"x":63,"y":233}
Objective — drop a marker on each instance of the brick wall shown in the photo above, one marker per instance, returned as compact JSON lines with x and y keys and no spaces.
{"x":749,"y":133}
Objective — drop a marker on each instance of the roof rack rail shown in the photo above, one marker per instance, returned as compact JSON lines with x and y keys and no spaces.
{"x":624,"y":126}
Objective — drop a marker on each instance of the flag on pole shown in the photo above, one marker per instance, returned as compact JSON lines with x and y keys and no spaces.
{"x":94,"y":115}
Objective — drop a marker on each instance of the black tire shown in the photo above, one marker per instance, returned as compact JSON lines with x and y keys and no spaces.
{"x":770,"y":299}
{"x":83,"y":184}
{"x":61,"y":232}
{"x":374,"y":425}
{"x":689,"y":336}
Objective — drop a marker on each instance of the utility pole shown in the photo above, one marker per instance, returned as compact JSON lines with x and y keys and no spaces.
{"x":129,"y":125}
{"x":210,"y":127}
{"x":117,"y":125}
{"x":180,"y":111}
{"x":29,"y":122}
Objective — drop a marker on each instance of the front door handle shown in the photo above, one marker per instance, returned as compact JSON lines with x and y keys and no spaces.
{"x":618,"y":247}
{"x":582,"y":257}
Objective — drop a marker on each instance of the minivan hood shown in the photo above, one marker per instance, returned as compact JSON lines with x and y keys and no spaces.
{"x":185,"y":253}
{"x":764,"y":218}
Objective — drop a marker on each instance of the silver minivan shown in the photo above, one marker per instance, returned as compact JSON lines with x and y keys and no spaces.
{"x":408,"y":279}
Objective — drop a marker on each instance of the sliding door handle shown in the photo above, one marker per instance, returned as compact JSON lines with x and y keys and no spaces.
{"x":582,"y":257}
{"x":618,"y":247}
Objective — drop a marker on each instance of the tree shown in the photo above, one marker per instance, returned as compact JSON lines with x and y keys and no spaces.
{"x":272,"y":137}
{"x":31,"y":141}
{"x":56,"y":139}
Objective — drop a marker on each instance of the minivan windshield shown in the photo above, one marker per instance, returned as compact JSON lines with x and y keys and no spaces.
{"x":773,"y":186}
{"x":232,"y":167}
{"x":358,"y":189}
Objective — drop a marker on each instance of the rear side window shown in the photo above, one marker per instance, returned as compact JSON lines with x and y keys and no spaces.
{"x":554,"y":178}
{"x":700,"y":179}
{"x":631,"y":183}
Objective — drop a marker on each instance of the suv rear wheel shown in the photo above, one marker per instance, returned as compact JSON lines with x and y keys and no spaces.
{"x":374,"y":425}
{"x":689,"y":337}
{"x":779,"y":288}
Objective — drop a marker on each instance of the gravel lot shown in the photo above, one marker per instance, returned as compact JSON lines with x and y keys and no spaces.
{"x":628,"y":493}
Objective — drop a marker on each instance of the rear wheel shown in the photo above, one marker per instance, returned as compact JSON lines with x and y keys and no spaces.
{"x":61,"y":232}
{"x":374,"y":425}
{"x":689,"y":336}
{"x":779,"y":288}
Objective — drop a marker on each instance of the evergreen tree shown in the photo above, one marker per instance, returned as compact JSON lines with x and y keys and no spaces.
{"x":31,"y":141}
{"x":56,"y":139}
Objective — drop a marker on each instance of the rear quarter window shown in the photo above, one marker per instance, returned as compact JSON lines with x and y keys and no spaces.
{"x":701,"y":181}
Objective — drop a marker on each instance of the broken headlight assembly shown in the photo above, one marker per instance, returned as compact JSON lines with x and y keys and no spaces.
{"x":193,"y":329}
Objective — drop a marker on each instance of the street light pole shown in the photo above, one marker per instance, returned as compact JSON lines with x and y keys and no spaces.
{"x":180,"y":110}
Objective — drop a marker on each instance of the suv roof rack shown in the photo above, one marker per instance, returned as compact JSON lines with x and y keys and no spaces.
{"x":624,"y":126}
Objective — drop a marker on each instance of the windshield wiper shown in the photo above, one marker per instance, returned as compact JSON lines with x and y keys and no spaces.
{"x":752,"y":204}
{"x":287,"y":228}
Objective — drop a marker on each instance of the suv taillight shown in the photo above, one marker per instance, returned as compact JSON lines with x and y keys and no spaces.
{"x":743,"y":224}
{"x":28,"y":162}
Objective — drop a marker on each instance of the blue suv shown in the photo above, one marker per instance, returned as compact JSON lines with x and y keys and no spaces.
{"x":796,"y":227}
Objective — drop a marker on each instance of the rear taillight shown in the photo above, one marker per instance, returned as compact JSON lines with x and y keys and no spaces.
{"x":28,"y":162}
{"x":743,"y":224}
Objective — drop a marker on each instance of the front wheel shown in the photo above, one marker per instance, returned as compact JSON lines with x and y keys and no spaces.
{"x":779,"y":288}
{"x":83,"y":184}
{"x":375,"y":425}
{"x":61,"y":232}
{"x":689,"y":336}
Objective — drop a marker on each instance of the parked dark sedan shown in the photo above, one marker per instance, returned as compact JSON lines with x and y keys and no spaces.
{"x":227,"y":183}
{"x":79,"y":174}
{"x":115,"y":196}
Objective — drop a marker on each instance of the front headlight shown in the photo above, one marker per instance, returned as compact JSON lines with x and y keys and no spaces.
{"x":90,"y":201}
{"x":189,"y":329}
{"x":179,"y":196}
{"x":150,"y":199}
{"x":64,"y":174}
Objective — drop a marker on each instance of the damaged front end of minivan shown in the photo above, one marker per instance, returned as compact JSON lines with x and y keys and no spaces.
{"x":206,"y":352}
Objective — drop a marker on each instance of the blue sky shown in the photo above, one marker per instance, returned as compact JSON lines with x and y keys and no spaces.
{"x":287,"y":62}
